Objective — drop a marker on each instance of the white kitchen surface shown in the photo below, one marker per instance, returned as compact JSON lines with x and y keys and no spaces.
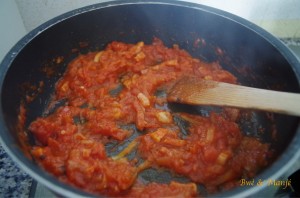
{"x":11,"y":26}
{"x":281,"y":17}
{"x":17,"y":17}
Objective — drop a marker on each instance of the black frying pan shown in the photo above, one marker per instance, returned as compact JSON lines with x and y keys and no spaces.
{"x":257,"y":58}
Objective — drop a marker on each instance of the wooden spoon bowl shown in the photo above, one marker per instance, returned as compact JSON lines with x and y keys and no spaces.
{"x":196,"y":91}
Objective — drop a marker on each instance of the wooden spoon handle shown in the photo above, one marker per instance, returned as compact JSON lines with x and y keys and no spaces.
{"x":202,"y":92}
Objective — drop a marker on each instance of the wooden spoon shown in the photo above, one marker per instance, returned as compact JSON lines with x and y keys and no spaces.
{"x":196,"y":91}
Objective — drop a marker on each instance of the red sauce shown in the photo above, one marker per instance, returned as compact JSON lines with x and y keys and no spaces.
{"x":107,"y":90}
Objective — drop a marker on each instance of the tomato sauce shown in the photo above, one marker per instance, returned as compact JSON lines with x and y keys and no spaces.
{"x":102,"y":93}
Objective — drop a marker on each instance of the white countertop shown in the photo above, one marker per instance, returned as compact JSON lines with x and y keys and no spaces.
{"x":18,"y":17}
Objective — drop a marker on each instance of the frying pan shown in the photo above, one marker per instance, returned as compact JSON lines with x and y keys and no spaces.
{"x":254,"y":56}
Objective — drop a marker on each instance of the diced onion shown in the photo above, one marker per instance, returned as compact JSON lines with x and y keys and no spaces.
{"x":164,"y":117}
{"x":222,"y":158}
{"x":126,"y":150}
{"x":159,"y":134}
{"x":117,"y":112}
{"x":143,"y":166}
{"x":210,"y":134}
{"x":38,"y":151}
{"x":208,"y":77}
{"x":98,"y":56}
{"x":140,"y":56}
{"x":86,"y":152}
{"x":143,"y":99}
{"x":138,"y":47}
{"x":174,"y":142}
{"x":65,"y":87}
{"x":173,"y":62}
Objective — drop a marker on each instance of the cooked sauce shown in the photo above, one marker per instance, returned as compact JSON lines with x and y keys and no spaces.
{"x":107,"y":123}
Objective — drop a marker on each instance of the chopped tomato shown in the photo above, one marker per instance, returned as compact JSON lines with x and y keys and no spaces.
{"x":111,"y":98}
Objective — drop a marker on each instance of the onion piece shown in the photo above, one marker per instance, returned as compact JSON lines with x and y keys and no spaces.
{"x":98,"y":56}
{"x":210,"y":133}
{"x":174,"y":142}
{"x":164,"y":117}
{"x":143,"y":99}
{"x":158,"y":134}
{"x":222,"y":158}
{"x":126,"y":151}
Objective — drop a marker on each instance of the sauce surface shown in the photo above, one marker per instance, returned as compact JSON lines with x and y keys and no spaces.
{"x":109,"y":121}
